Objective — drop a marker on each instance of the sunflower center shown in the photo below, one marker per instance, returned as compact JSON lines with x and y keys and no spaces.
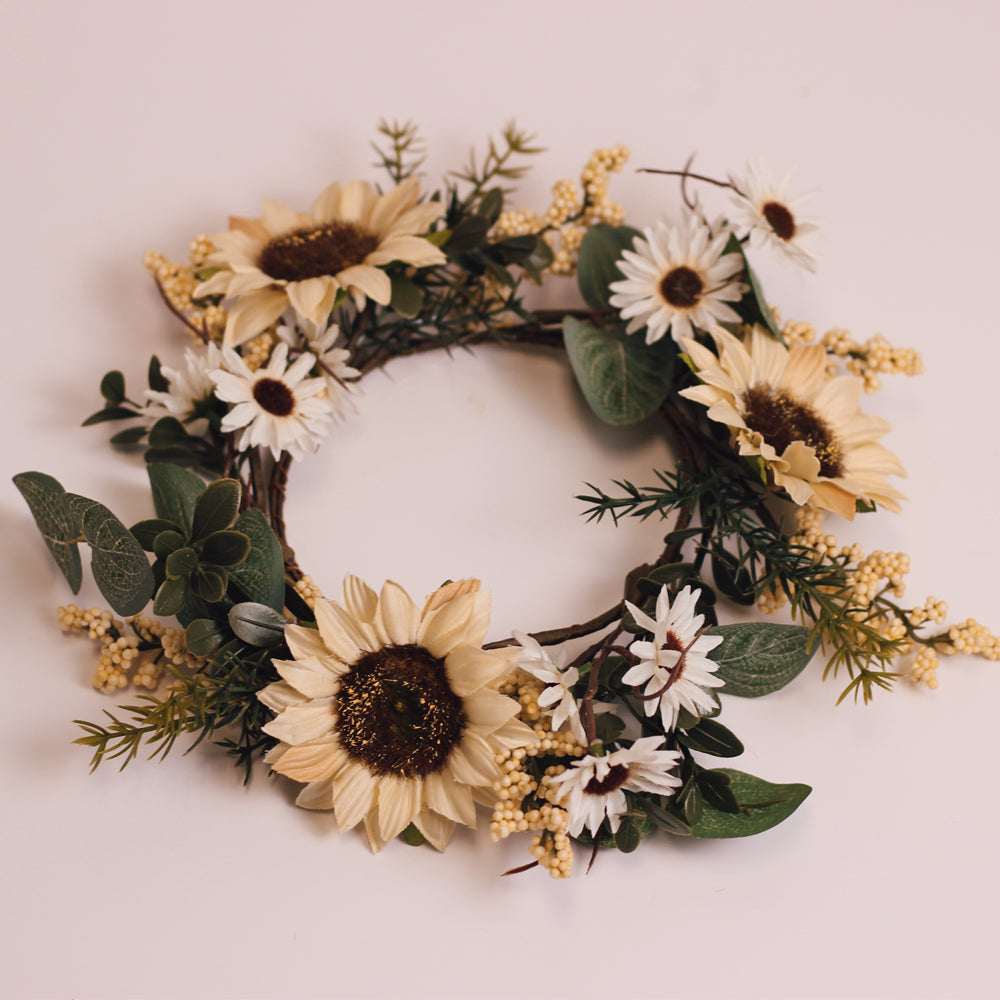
{"x":682,"y":287}
{"x":780,"y":220}
{"x":616,"y":777}
{"x":317,"y":251}
{"x":397,"y":714}
{"x":781,"y":419}
{"x":274,"y":397}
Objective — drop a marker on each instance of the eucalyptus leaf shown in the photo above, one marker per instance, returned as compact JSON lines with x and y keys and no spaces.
{"x":113,"y":387}
{"x":257,"y":624}
{"x":597,"y":263}
{"x":175,"y":492}
{"x":216,"y":508}
{"x":761,"y":806}
{"x":170,"y":597}
{"x":756,"y":658}
{"x":261,"y":576}
{"x":226,"y":548}
{"x":45,"y":497}
{"x":120,"y":567}
{"x":204,"y":636}
{"x":623,"y":379}
{"x":407,"y":298}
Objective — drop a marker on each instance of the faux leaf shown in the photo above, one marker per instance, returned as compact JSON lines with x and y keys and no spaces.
{"x":204,"y":636}
{"x":46,"y":501}
{"x":216,"y":508}
{"x":623,"y":379}
{"x":261,"y":576}
{"x":147,"y":530}
{"x":753,"y":307}
{"x":181,"y":562}
{"x":257,"y":624}
{"x":597,"y":264}
{"x":120,"y":567}
{"x":761,"y":806}
{"x":109,"y":413}
{"x":113,"y":388}
{"x":407,"y":298}
{"x":756,"y":658}
{"x":157,"y":380}
{"x":175,"y":492}
{"x":713,"y":738}
{"x":209,"y":584}
{"x":170,"y":597}
{"x":226,"y":548}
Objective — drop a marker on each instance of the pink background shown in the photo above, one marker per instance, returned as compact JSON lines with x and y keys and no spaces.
{"x":134,"y":126}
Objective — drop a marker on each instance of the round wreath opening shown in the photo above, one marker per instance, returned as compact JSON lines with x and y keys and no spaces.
{"x":396,"y":711}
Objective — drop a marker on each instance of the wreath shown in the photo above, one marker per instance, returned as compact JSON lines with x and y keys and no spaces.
{"x":398,"y":715}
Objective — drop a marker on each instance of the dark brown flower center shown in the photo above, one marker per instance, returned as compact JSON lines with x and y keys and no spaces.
{"x":312,"y":253}
{"x":273,"y":396}
{"x":616,"y":777}
{"x":781,"y":419}
{"x":682,"y":287}
{"x":780,"y":220}
{"x":397,"y":714}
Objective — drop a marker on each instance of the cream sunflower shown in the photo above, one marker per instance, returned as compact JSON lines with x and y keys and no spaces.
{"x":276,"y":406}
{"x":677,"y":278}
{"x":771,"y":216}
{"x":389,"y":712}
{"x":805,"y":424}
{"x":302,"y":259}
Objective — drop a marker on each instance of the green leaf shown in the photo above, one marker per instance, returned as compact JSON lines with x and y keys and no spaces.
{"x":216,"y":508}
{"x":181,"y":562}
{"x":597,"y":264}
{"x":608,"y":727}
{"x":120,"y":567}
{"x":167,"y":432}
{"x":113,"y":388}
{"x":623,"y":379}
{"x":753,"y":307}
{"x":155,"y":377}
{"x":131,"y":435}
{"x":412,"y":836}
{"x":627,"y":836}
{"x":175,"y":492}
{"x":468,"y":234}
{"x":762,"y":805}
{"x":407,"y":297}
{"x":109,"y":413}
{"x":204,"y":636}
{"x":491,"y":205}
{"x":261,"y":576}
{"x":146,"y":531}
{"x":757,"y":658}
{"x":515,"y":249}
{"x":667,"y":575}
{"x":735,"y":582}
{"x":257,"y":624}
{"x":46,"y":500}
{"x":226,"y":548}
{"x":167,"y":542}
{"x":170,"y":597}
{"x":209,"y":583}
{"x":711,"y":737}
{"x":716,"y":788}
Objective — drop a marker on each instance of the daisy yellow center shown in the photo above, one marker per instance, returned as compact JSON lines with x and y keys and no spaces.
{"x":317,"y":251}
{"x":616,"y":777}
{"x":780,"y":220}
{"x":397,"y":714}
{"x":682,"y":287}
{"x":274,"y":397}
{"x":781,"y":419}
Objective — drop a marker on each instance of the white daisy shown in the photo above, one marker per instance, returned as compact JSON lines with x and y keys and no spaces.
{"x":190,"y":389}
{"x":807,"y":426}
{"x":677,"y":279}
{"x":771,"y":216}
{"x":303,"y":259}
{"x":674,"y":666}
{"x":594,"y":787}
{"x":535,"y":660}
{"x":390,"y":712}
{"x":277,"y":406}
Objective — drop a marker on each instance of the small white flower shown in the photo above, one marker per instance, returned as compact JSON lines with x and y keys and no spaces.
{"x":189,"y":389}
{"x":677,"y":278}
{"x":318,"y":338}
{"x":675,"y":666}
{"x":594,"y":787}
{"x":277,"y":406}
{"x":536,"y":661}
{"x":771,"y":216}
